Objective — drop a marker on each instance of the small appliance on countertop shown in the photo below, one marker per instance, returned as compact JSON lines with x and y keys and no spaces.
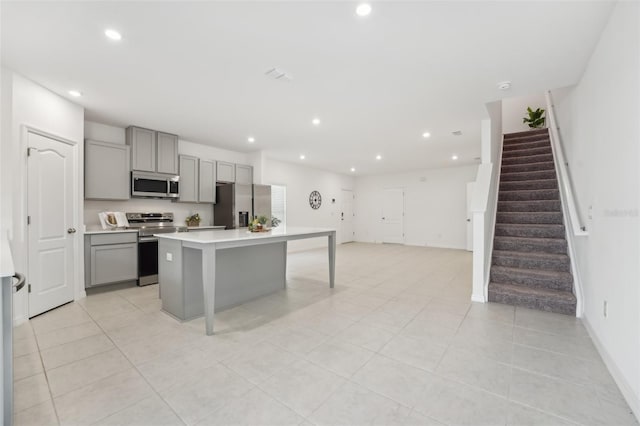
{"x":148,"y":224}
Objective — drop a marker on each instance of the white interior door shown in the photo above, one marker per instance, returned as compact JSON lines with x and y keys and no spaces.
{"x":51,"y":229}
{"x":392,"y":217}
{"x":470,"y":189}
{"x":346,"y":217}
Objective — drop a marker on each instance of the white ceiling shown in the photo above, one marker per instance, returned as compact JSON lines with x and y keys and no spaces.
{"x":377,"y":83}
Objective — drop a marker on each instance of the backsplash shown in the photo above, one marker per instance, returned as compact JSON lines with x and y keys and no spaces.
{"x":179,"y":210}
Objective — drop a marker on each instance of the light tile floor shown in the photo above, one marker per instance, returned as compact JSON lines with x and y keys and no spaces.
{"x":397,"y":342}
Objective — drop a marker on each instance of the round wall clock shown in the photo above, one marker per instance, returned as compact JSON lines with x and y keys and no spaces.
{"x":315,"y":200}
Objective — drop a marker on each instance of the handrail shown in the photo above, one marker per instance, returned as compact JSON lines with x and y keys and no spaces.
{"x":576,"y":225}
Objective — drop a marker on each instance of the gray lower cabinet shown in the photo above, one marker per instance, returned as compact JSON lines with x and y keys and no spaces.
{"x":226,"y":172}
{"x":197,"y":180}
{"x":244,"y":174}
{"x":106,"y":171}
{"x":110,"y":258}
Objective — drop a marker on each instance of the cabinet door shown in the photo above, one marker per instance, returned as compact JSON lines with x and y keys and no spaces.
{"x":244,"y":174}
{"x":113,"y":263}
{"x":167,"y":151}
{"x":143,"y":149}
{"x":226,"y":172}
{"x":188,"y":179}
{"x":106,"y":171}
{"x":207,"y":186}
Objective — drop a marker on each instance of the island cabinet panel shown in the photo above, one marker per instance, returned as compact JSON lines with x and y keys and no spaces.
{"x":106,"y":171}
{"x":188,"y":179}
{"x":143,"y":149}
{"x":226,"y":172}
{"x":207,"y":181}
{"x":110,"y":258}
{"x":167,"y":153}
{"x":244,"y":174}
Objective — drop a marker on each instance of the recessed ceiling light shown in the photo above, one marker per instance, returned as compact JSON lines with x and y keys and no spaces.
{"x":454,"y":157}
{"x":75,"y":93}
{"x":378,"y":157}
{"x":353,"y":169}
{"x":426,"y":135}
{"x":504,"y":85}
{"x":363,"y":9}
{"x":251,"y":139}
{"x":113,"y":34}
{"x":316,"y":121}
{"x":302,"y":157}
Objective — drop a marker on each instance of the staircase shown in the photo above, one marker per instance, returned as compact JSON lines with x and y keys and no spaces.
{"x":530,"y":265}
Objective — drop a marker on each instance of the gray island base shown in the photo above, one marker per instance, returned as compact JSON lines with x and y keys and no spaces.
{"x":204,"y":272}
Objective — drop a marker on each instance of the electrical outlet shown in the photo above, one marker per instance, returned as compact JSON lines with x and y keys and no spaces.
{"x":605,"y":308}
{"x":169,"y":257}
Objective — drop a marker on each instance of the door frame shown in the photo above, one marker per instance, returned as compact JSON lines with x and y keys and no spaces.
{"x":353,"y":224}
{"x":77,"y":208}
{"x":404,"y":206}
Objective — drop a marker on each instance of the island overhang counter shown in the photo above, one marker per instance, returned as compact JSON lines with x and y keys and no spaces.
{"x":206,"y":271}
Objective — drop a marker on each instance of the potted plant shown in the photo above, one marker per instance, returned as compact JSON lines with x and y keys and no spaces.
{"x":535,"y":119}
{"x":258,"y":224}
{"x":193,"y":220}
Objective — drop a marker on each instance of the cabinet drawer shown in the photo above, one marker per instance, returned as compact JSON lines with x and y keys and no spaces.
{"x":115,"y":238}
{"x":113,"y":263}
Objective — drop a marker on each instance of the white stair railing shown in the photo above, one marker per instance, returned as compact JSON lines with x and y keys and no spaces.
{"x":574,"y":225}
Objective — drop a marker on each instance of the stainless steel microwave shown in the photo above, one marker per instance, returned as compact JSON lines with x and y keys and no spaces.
{"x":154,"y":185}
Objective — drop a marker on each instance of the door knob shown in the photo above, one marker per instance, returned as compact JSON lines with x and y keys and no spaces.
{"x":71,"y":231}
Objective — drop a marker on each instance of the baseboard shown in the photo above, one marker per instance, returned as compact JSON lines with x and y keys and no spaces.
{"x":19,"y":320}
{"x":478,"y":298}
{"x":625,"y":388}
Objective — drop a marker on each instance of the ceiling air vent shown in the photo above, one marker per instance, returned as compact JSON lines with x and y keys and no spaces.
{"x":457,"y":133}
{"x":278,"y":74}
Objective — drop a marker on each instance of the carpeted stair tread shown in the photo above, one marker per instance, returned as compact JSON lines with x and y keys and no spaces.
{"x":526,"y":145}
{"x":545,"y":165}
{"x":531,"y":260}
{"x":561,"y":302}
{"x":536,"y":132}
{"x":529,"y":217}
{"x":529,"y":184}
{"x":527,"y":175}
{"x":526,"y":152}
{"x":538,"y":278}
{"x":528,"y":230}
{"x":529,"y":195}
{"x":530,"y":206}
{"x":538,"y":158}
{"x":531,"y":244}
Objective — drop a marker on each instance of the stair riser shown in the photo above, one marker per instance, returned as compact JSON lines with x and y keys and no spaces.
{"x":510,"y":146}
{"x":526,"y":152}
{"x":530,"y":231}
{"x":532,"y":218}
{"x":547,"y":246}
{"x":532,"y":302}
{"x":527,"y":195}
{"x":532,"y":167}
{"x":529,"y":263}
{"x":527,"y":159}
{"x":522,"y":278}
{"x":531,"y":185}
{"x":528,"y":175}
{"x":530,"y":206}
{"x":527,"y":134}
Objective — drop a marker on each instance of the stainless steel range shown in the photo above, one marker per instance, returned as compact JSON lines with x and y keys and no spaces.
{"x":147,"y":225}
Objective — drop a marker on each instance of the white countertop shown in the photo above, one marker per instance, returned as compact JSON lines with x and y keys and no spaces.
{"x":91,"y":231}
{"x":196,"y":228}
{"x":242,"y":234}
{"x":6,"y":260}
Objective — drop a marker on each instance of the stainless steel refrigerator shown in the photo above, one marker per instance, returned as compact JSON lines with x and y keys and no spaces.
{"x":262,"y":201}
{"x":234,"y":205}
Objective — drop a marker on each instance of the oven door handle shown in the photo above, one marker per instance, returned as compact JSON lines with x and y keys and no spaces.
{"x":147,"y":239}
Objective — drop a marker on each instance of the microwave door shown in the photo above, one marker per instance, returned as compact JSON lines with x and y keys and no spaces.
{"x":149,"y":187}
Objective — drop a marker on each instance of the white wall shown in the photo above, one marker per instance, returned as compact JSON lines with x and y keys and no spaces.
{"x":514,"y":109}
{"x":600,"y":133}
{"x":26,"y":103}
{"x":435,"y":206}
{"x":300,"y":181}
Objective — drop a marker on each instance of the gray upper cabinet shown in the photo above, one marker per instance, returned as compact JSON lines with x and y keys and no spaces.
{"x":207,"y":181}
{"x":167,"y":153}
{"x":226,"y":172}
{"x":106,"y":171}
{"x":244,"y":174}
{"x":153,"y":151}
{"x":143,"y":149}
{"x":188,"y":179}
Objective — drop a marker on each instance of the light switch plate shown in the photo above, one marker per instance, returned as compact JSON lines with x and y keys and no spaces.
{"x":169,"y":257}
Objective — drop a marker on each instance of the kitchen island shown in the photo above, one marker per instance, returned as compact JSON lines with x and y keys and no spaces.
{"x":206,"y":271}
